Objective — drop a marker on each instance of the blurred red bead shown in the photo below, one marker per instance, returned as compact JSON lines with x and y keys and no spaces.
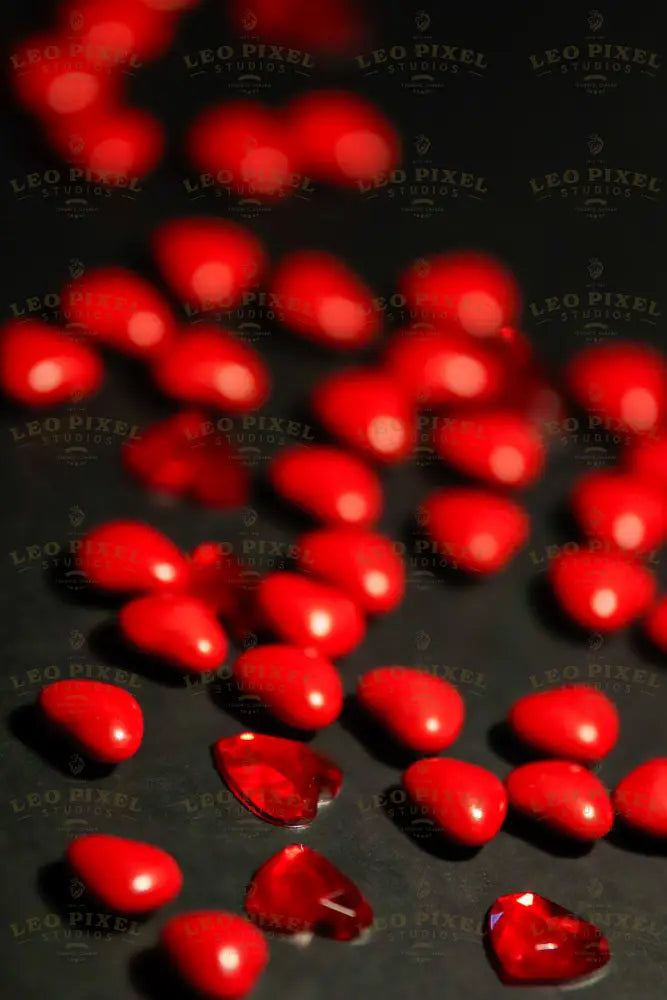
{"x":102,"y":720}
{"x":640,"y":798}
{"x":126,"y":875}
{"x":323,"y":300}
{"x":39,"y":365}
{"x":117,"y":30}
{"x":646,"y":456}
{"x":621,"y":509}
{"x":601,"y":591}
{"x":655,"y":623}
{"x":499,"y":446}
{"x":117,"y":145}
{"x":341,"y":138}
{"x":575,"y":721}
{"x":129,"y":556}
{"x":565,"y":796}
{"x":164,"y":458}
{"x":217,"y":580}
{"x":330,"y":26}
{"x":176,"y":627}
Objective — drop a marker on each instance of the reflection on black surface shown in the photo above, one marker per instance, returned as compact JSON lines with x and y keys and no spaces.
{"x":421,"y":831}
{"x":29,"y":725}
{"x":540,"y":835}
{"x":374,"y":739}
{"x":107,"y":642}
{"x":153,"y":977}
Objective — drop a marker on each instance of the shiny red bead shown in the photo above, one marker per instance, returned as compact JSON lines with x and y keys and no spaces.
{"x":331,"y":26}
{"x":208,"y":261}
{"x":564,"y":796}
{"x":498,"y":446}
{"x":369,"y":410}
{"x":218,"y":954}
{"x":298,"y":891}
{"x":646,"y":456}
{"x":118,"y":30}
{"x":655,"y":623}
{"x":115,"y":145}
{"x":102,"y":720}
{"x":624,"y":383}
{"x":601,"y":591}
{"x":323,"y":300}
{"x":537,"y":942}
{"x":59,"y":87}
{"x":300,"y":687}
{"x":640,"y":798}
{"x":329,"y":484}
{"x":310,"y":614}
{"x":210,"y":367}
{"x":622,"y":510}
{"x":423,"y":712}
{"x":575,"y":721}
{"x":39,"y":365}
{"x":176,"y":627}
{"x":475,"y":530}
{"x":282,"y":781}
{"x":126,"y":875}
{"x":130,"y":555}
{"x":467,"y":802}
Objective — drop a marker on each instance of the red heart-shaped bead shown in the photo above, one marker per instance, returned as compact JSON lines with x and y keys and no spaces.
{"x":332,"y":485}
{"x":600,"y":590}
{"x":575,"y":721}
{"x":655,"y":623}
{"x":178,"y":628}
{"x":423,"y":712}
{"x":646,"y":456}
{"x":310,"y":614}
{"x":129,"y":555}
{"x":640,"y":798}
{"x":40,"y":365}
{"x":118,"y":30}
{"x":475,"y":530}
{"x":369,"y":410}
{"x":565,"y":796}
{"x":126,"y":875}
{"x":499,"y":446}
{"x":219,"y":954}
{"x":103,"y":720}
{"x":117,"y":145}
{"x":300,"y":687}
{"x":621,"y":509}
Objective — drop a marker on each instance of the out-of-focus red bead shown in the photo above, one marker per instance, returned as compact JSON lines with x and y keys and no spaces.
{"x":425,"y":713}
{"x":118,"y":145}
{"x":177,"y":628}
{"x":323,"y":300}
{"x":331,"y":26}
{"x":39,"y":365}
{"x":126,"y":875}
{"x":621,"y":509}
{"x":601,"y":591}
{"x":499,"y":446}
{"x":655,"y":623}
{"x":117,"y":30}
{"x":575,"y":721}
{"x":646,"y":456}
{"x":132,"y":556}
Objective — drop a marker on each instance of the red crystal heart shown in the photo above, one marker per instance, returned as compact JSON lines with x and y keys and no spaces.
{"x":40,"y":365}
{"x":178,"y":628}
{"x":575,"y":721}
{"x":126,"y":875}
{"x":130,"y":555}
{"x":105,"y":721}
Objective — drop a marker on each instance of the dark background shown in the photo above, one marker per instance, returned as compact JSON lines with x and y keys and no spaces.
{"x":497,"y":639}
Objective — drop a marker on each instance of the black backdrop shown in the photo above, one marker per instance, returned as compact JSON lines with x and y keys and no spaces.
{"x":507,"y":121}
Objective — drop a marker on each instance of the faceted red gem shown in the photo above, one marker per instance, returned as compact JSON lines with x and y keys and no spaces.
{"x":331,"y":26}
{"x":218,"y":954}
{"x":499,"y":446}
{"x":475,"y":530}
{"x":467,"y":802}
{"x":310,"y":614}
{"x":103,"y":720}
{"x":621,"y":509}
{"x":329,"y":484}
{"x":475,"y":290}
{"x":655,"y":623}
{"x":300,"y":687}
{"x":210,"y":367}
{"x":323,"y":300}
{"x":39,"y":365}
{"x":115,"y":146}
{"x":565,"y":796}
{"x":208,"y":262}
{"x":342,"y":138}
{"x":126,"y":875}
{"x":176,"y":627}
{"x":575,"y":721}
{"x":423,"y":712}
{"x":281,"y":781}
{"x":130,"y":555}
{"x":363,"y":564}
{"x":646,"y":456}
{"x":298,"y":891}
{"x":118,"y":30}
{"x":641,"y":797}
{"x":538,"y":942}
{"x":625,"y":383}
{"x":601,"y":591}
{"x":369,"y":410}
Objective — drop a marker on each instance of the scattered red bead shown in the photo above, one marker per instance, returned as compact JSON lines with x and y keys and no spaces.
{"x":126,"y":875}
{"x":575,"y":721}
{"x":176,"y":627}
{"x":601,"y":591}
{"x":362,"y":564}
{"x":620,"y":509}
{"x":40,"y":366}
{"x":646,"y":456}
{"x":498,"y":446}
{"x":114,"y":147}
{"x":333,"y":26}
{"x":129,"y":556}
{"x":102,"y":720}
{"x":118,"y":30}
{"x":218,"y":580}
{"x":640,"y":799}
{"x":564,"y":796}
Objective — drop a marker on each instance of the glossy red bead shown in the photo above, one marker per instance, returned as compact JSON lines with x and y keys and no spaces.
{"x":130,"y":555}
{"x":60,"y":87}
{"x":118,"y":31}
{"x":300,"y":687}
{"x":423,"y":712}
{"x":282,"y":781}
{"x":208,"y":261}
{"x":176,"y":627}
{"x":298,"y":891}
{"x":537,"y":942}
{"x":323,"y":300}
{"x":364,"y":565}
{"x":467,"y":802}
{"x":575,"y":721}
{"x":330,"y":484}
{"x":625,"y":383}
{"x":601,"y":591}
{"x":310,"y":614}
{"x":564,"y":796}
{"x":475,"y":530}
{"x":655,"y":623}
{"x":126,"y":875}
{"x":367,"y":409}
{"x":646,"y":456}
{"x":501,"y":447}
{"x":102,"y":720}
{"x":116,"y":146}
{"x":218,"y":954}
{"x":640,"y":798}
{"x":40,"y":366}
{"x":622,"y":510}
{"x":333,"y":26}
{"x":210,"y":367}
{"x":342,"y":138}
